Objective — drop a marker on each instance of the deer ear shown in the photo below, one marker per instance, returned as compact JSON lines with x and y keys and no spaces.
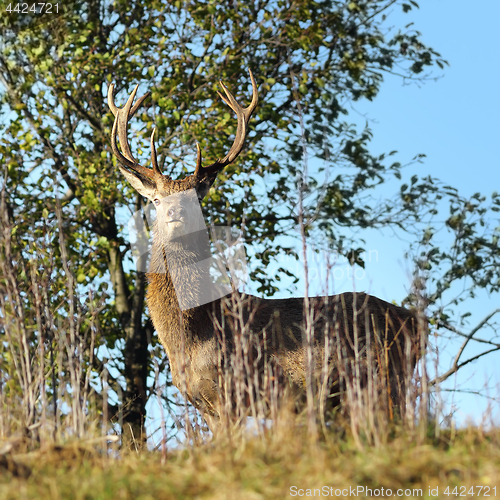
{"x":203,"y":186}
{"x":144,"y":186}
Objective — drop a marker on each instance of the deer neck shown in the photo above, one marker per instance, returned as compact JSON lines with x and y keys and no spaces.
{"x":176,"y":276}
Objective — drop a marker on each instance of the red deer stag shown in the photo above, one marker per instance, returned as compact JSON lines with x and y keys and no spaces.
{"x":348,"y":330}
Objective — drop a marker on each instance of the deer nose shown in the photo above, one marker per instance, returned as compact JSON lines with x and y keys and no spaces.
{"x":175,"y":212}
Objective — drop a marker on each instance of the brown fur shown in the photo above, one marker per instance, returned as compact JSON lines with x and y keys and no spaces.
{"x":199,"y":349}
{"x":241,"y":339}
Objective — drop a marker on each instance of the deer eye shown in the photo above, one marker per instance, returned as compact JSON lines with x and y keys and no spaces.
{"x":157,"y":201}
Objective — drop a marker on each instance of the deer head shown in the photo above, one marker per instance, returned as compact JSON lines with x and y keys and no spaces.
{"x":151,"y":183}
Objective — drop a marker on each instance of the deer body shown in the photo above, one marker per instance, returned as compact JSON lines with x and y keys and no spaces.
{"x":202,"y":341}
{"x":198,"y":355}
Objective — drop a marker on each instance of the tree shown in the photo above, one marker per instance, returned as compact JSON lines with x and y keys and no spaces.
{"x":311,"y":59}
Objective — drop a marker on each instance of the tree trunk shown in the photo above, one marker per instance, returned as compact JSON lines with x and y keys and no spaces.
{"x":136,"y":356}
{"x":129,"y":306}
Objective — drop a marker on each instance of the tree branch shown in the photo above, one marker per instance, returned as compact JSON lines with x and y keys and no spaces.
{"x":44,"y":140}
{"x":457,"y":367}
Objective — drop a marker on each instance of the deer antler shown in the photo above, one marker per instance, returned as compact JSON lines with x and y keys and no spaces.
{"x":123,"y":115}
{"x":243,"y":115}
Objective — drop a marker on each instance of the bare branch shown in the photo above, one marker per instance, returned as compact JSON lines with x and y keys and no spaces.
{"x":457,"y":367}
{"x":455,"y":330}
{"x":468,"y":337}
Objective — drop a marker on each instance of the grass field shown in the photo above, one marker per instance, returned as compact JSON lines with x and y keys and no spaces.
{"x":278,"y":465}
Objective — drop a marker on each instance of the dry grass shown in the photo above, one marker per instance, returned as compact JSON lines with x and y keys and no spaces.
{"x":260,"y":467}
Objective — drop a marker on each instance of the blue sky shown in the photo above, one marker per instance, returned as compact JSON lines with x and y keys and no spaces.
{"x":455,"y":122}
